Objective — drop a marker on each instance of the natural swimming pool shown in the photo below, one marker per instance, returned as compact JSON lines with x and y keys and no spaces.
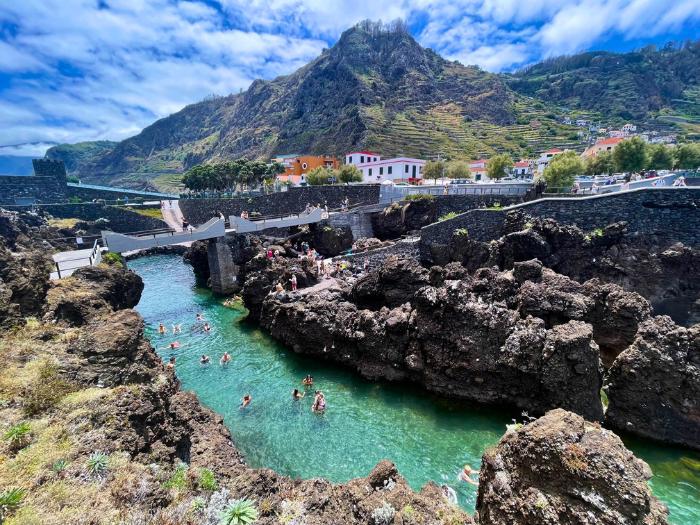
{"x":427,"y":438}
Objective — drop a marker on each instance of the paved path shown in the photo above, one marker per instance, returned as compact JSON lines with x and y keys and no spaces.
{"x":172,"y":215}
{"x":321,"y":285}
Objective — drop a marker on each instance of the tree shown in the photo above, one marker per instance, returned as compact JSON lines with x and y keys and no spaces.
{"x":660,"y":157}
{"x":630,"y":155}
{"x":498,"y":166}
{"x":602,"y":163}
{"x":562,"y":170}
{"x":458,"y":169}
{"x":348,"y":173}
{"x":318,"y":176}
{"x":688,"y":156}
{"x":433,"y":169}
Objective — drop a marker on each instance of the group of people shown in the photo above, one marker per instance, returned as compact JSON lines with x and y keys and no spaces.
{"x":319,"y":404}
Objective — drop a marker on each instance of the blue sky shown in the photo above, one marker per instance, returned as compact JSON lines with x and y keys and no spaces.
{"x":74,"y":70}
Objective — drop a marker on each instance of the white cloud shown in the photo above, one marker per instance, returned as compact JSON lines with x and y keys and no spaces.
{"x":94,"y":70}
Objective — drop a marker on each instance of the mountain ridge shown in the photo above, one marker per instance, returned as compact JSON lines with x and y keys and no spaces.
{"x":375,"y":88}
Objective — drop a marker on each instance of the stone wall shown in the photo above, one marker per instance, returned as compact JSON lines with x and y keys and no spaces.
{"x":48,"y":184}
{"x":121,"y":220}
{"x":403,"y":248}
{"x":461,"y":203}
{"x":669,"y":214}
{"x":199,"y":211}
{"x":87,"y":194}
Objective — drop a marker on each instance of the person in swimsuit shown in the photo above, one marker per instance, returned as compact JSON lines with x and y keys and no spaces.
{"x":319,"y":402}
{"x":246,"y":401}
{"x":174,"y":345}
{"x":171,"y":363}
{"x":207,"y":328}
{"x":204,"y":359}
{"x":308,"y":380}
{"x":296,"y":395}
{"x":466,"y":474}
{"x":199,"y":317}
{"x":161,"y":329}
{"x":225,"y":358}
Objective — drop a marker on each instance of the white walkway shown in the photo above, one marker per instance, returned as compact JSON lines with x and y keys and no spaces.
{"x":65,"y":263}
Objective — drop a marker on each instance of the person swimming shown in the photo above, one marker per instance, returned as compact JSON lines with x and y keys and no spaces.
{"x":308,"y":380}
{"x":225,"y":358}
{"x":296,"y":394}
{"x":177,"y":328}
{"x":171,"y":363}
{"x":449,"y":494}
{"x":246,"y":401}
{"x":161,"y":329}
{"x":204,"y":359}
{"x":319,"y":402}
{"x":465,"y":475}
{"x":207,"y":328}
{"x":199,"y":317}
{"x":174,"y":345}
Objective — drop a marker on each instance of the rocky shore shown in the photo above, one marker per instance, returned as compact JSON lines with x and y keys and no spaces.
{"x":109,"y":435}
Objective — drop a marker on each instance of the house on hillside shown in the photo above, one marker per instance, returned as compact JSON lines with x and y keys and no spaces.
{"x":522,"y":169}
{"x":374,"y":169}
{"x":629,"y":129}
{"x":297,"y":166}
{"x":608,"y":144}
{"x":545,"y":158}
{"x":479,"y":170}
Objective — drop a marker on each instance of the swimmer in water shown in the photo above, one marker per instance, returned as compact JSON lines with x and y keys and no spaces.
{"x":319,"y":402}
{"x":177,"y":328}
{"x":465,"y":475}
{"x":204,"y":359}
{"x":161,"y":329}
{"x":174,"y":345}
{"x":246,"y":401}
{"x":225,"y":358}
{"x":207,"y":328}
{"x":308,"y":380}
{"x":296,"y":394}
{"x":171,"y":363}
{"x":199,"y":317}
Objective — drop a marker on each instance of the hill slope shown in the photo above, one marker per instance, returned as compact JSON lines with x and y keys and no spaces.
{"x":375,"y":88}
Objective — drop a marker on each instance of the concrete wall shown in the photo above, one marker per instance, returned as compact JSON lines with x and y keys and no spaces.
{"x":670,"y":214}
{"x":199,"y":211}
{"x":48,"y":184}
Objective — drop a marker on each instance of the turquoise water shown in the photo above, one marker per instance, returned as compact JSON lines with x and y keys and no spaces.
{"x":428,"y":439}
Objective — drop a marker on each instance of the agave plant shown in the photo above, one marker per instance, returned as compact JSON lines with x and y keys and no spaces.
{"x":9,"y":501}
{"x":59,"y":466}
{"x":18,"y":436}
{"x":239,"y":512}
{"x":97,"y":464}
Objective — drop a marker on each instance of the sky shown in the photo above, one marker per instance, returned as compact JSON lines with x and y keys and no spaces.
{"x":77,"y":70}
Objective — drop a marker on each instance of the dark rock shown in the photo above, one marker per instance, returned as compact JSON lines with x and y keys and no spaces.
{"x":26,"y":275}
{"x":331,"y":240}
{"x":654,"y":386}
{"x":527,"y":271}
{"x":400,"y":218}
{"x":561,"y":469}
{"x":196,"y":256}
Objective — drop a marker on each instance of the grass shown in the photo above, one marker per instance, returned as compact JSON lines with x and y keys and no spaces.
{"x":448,"y":216}
{"x":154,"y":213}
{"x":419,"y":197}
{"x":63,"y":223}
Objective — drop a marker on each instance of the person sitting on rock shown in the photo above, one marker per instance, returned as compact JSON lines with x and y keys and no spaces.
{"x":279,"y":288}
{"x":225,"y":359}
{"x":246,"y":401}
{"x":204,"y":359}
{"x":171,"y":363}
{"x":465,"y":475}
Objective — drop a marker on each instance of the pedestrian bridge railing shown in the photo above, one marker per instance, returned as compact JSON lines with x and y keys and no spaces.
{"x":65,"y":263}
{"x":241,"y":225}
{"x":120,"y":243}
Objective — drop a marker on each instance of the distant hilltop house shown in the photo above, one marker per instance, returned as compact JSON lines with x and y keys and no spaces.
{"x":608,"y":144}
{"x":374,"y":169}
{"x":545,"y":158}
{"x":297,"y":166}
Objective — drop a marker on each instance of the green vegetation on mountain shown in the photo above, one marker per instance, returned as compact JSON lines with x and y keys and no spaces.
{"x":75,"y":156}
{"x":377,"y":88}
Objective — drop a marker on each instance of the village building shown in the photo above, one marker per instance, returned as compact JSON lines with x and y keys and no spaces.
{"x":629,"y":128}
{"x":374,"y":169}
{"x":608,"y":144}
{"x":545,"y":158}
{"x":296,"y":167}
{"x":522,"y":169}
{"x":479,"y":169}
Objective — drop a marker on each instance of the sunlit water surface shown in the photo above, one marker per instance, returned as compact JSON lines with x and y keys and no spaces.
{"x":428,"y":439}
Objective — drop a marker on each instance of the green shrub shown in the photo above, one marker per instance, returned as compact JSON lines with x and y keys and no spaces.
{"x":96,"y":464}
{"x":178,"y":480}
{"x":10,"y":500}
{"x":419,"y":197}
{"x":461,"y":232}
{"x":113,"y":259}
{"x":207,"y":481}
{"x":383,"y":515}
{"x":18,"y":436}
{"x":46,"y":390}
{"x":448,"y":216}
{"x":75,"y":200}
{"x":495,"y":206}
{"x":59,"y":466}
{"x":239,"y":512}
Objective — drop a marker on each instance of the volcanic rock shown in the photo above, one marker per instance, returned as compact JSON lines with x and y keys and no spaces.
{"x":562,"y":469}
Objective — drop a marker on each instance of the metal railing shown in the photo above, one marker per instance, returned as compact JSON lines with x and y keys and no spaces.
{"x":93,"y":259}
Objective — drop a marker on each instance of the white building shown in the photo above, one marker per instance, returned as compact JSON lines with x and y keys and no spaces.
{"x":543,"y":160}
{"x":522,"y":169}
{"x":377,"y":170}
{"x":629,"y":128}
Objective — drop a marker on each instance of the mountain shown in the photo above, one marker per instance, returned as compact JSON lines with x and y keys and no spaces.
{"x":75,"y":156}
{"x":376,"y":88}
{"x":634,"y":86}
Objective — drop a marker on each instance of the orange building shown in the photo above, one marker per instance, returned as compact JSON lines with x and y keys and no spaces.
{"x":602,"y":145}
{"x":296,"y":167}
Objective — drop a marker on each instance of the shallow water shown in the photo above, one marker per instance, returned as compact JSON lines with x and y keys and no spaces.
{"x":428,"y":439}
